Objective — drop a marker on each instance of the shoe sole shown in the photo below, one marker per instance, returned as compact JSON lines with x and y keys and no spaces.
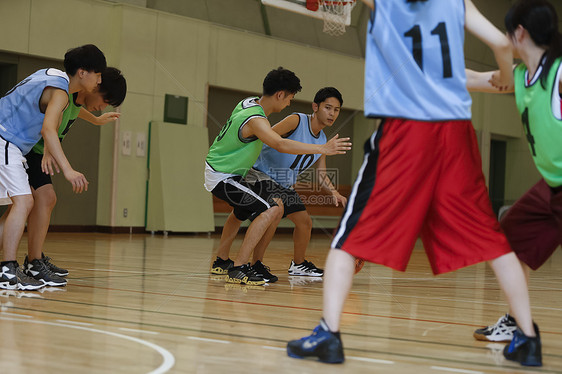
{"x":485,"y":338}
{"x":62,"y":274}
{"x":219,"y":271}
{"x":305,"y":274}
{"x":53,"y":283}
{"x":294,"y":355}
{"x":8,"y":286}
{"x":29,"y":287}
{"x":244,"y":281}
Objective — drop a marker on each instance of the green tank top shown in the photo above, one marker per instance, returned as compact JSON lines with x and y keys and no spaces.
{"x":543,"y":129}
{"x":231,"y":153}
{"x":68,"y":117}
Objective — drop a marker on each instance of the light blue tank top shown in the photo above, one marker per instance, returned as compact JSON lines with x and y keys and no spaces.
{"x":414,"y":65}
{"x":284,"y":168}
{"x":21,"y":119}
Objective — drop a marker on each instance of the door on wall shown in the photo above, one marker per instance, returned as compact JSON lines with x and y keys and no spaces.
{"x":8,"y":76}
{"x":497,"y":173}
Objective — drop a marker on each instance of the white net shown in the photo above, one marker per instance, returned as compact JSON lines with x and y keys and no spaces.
{"x":336,"y":14}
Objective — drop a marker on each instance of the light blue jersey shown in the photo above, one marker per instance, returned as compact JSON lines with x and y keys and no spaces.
{"x":21,"y":119}
{"x":414,"y":64}
{"x":284,"y":168}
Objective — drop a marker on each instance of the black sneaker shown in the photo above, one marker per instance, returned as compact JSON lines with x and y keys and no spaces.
{"x":8,"y":276}
{"x":52,"y":267}
{"x":263,"y":270}
{"x":37,"y":269}
{"x":220,"y":266}
{"x":523,"y":349}
{"x":27,"y":283}
{"x":306,"y":268}
{"x":322,"y":344}
{"x":244,"y":274}
{"x":501,"y":331}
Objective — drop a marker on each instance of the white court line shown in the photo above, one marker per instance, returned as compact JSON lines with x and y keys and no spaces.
{"x":137,"y":330}
{"x":373,"y":360}
{"x":456,"y":370}
{"x":168,"y":358}
{"x":209,"y":340}
{"x":274,"y":348}
{"x":17,"y":315}
{"x":75,"y":323}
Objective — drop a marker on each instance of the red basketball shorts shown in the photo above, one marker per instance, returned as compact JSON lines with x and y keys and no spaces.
{"x":421,"y":179}
{"x":533,"y":225}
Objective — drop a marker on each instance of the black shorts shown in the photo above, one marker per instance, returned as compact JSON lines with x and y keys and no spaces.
{"x":292,"y":202}
{"x":239,"y":194}
{"x":36,"y":176}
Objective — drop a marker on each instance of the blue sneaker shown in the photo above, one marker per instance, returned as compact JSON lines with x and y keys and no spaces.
{"x":523,"y":349}
{"x":322,"y":343}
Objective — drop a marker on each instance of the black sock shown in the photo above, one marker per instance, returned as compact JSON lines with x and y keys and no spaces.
{"x":3,"y":263}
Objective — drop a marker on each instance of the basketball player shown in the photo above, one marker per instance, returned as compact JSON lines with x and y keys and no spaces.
{"x":111,"y":91}
{"x":422,"y":171}
{"x":277,"y":172}
{"x":533,"y":225}
{"x":32,"y":109}
{"x":236,"y":149}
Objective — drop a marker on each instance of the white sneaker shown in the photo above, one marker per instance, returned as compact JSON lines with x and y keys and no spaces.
{"x":501,"y":331}
{"x":307,"y":268}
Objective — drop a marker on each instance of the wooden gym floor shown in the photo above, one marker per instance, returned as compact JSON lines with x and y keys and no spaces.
{"x":146,"y":304}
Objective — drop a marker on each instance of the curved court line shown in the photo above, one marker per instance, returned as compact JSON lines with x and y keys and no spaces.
{"x":169,"y":359}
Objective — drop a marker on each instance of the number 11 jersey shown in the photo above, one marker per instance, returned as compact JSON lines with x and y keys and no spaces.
{"x":414,"y":65}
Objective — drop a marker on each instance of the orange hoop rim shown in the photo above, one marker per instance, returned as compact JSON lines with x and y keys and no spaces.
{"x":332,"y":2}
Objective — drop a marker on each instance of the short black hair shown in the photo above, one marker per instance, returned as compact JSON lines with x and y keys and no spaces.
{"x":327,"y":92}
{"x":113,"y":86}
{"x":87,"y":57}
{"x":281,"y":80}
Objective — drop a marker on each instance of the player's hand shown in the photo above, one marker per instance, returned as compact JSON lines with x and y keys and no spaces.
{"x":48,"y":164}
{"x":78,"y":181}
{"x":336,"y":146}
{"x":501,"y":83}
{"x":339,"y":199}
{"x":108,"y":117}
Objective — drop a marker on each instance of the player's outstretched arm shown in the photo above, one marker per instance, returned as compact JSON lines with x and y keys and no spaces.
{"x":326,"y":184}
{"x":101,"y":120}
{"x":484,"y":30}
{"x":260,"y":127}
{"x":56,"y":102}
{"x":485,"y":82}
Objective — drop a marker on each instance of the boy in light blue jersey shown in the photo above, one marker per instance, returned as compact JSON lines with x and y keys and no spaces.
{"x":111,"y":91}
{"x":275,"y":173}
{"x":422,"y":173}
{"x":31,"y":110}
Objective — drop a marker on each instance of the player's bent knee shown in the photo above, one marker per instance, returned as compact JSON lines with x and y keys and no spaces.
{"x":23,"y":202}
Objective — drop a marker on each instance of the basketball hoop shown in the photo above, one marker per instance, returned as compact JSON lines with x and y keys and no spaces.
{"x":336,"y":14}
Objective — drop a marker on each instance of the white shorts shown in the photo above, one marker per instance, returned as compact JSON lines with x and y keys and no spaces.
{"x":13,"y":177}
